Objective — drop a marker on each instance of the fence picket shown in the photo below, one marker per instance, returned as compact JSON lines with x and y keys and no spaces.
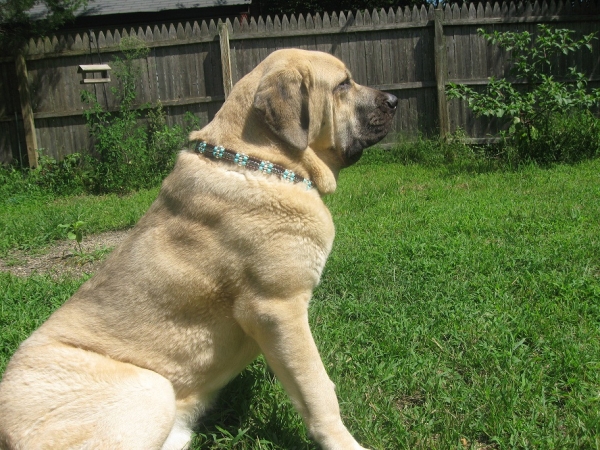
{"x":528,"y":10}
{"x":335,"y":22}
{"x":301,"y":22}
{"x":326,"y":20}
{"x":310,"y":23}
{"x":545,"y":8}
{"x":387,"y":54}
{"x":496,"y":11}
{"x":277,"y":23}
{"x":423,"y":14}
{"x":245,"y":25}
{"x":180,"y":32}
{"x":375,"y":18}
{"x":399,"y":15}
{"x":455,"y":11}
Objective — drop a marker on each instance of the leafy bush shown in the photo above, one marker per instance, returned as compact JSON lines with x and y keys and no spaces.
{"x":567,"y":138}
{"x":542,"y":114}
{"x":70,"y":175}
{"x":12,"y":182}
{"x":132,"y":155}
{"x":166,"y":141}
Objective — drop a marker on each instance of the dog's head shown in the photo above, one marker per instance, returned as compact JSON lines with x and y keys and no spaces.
{"x":303,"y":110}
{"x":309,"y":99}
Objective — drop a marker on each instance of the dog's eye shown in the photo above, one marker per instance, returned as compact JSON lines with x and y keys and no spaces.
{"x":344,"y":84}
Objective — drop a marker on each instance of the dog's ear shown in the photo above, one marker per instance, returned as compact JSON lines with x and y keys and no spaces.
{"x":282,"y":100}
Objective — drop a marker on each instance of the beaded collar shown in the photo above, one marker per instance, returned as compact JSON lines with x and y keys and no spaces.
{"x":219,"y":153}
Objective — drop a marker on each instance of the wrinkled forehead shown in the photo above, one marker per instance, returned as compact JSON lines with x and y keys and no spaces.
{"x":329,"y":64}
{"x":321,"y":63}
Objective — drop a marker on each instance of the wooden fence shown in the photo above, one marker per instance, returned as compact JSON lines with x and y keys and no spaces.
{"x":412,"y":53}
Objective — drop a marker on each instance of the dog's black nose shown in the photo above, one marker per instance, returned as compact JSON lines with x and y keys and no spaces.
{"x":391,"y":100}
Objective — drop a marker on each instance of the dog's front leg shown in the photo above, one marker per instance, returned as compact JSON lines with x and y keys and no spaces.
{"x":281,"y":329}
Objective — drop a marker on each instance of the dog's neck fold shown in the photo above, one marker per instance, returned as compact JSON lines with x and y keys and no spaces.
{"x":305,"y":163}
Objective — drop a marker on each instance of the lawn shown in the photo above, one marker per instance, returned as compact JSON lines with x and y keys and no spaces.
{"x":457,"y":310}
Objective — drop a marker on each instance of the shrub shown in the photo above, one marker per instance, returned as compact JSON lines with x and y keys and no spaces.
{"x":14,"y":182}
{"x":567,"y":138}
{"x":452,"y":154}
{"x":71,"y":175}
{"x":542,"y":115}
{"x":132,"y":155}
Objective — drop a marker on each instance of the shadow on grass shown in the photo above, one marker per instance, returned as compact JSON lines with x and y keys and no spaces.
{"x":251,"y":409}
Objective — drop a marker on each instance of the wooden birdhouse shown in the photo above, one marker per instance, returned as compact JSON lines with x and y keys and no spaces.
{"x":92,"y":69}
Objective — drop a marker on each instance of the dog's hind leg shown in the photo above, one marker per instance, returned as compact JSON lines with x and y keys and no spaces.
{"x":78,"y":399}
{"x":185,"y":418}
{"x":179,"y":438}
{"x":144,"y":415}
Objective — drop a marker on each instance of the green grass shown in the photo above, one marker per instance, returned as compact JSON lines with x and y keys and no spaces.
{"x":30,"y":221}
{"x":470,"y":304}
{"x":25,"y":303}
{"x":457,"y":309}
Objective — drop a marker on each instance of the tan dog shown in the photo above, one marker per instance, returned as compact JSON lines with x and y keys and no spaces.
{"x":220,"y":269}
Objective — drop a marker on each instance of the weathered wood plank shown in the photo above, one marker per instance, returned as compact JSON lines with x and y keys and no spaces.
{"x":427,"y":61}
{"x":370,"y":59}
{"x":393,"y":56}
{"x":478,"y":56}
{"x":360,"y":69}
{"x":225,"y":58}
{"x":441,"y":73}
{"x":387,"y":56}
{"x":26,"y":110}
{"x":240,"y":56}
{"x":416,"y":45}
{"x":158,"y":54}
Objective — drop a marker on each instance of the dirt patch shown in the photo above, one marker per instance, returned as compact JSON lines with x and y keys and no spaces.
{"x":64,"y":258}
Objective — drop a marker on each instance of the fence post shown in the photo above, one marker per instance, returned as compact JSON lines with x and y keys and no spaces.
{"x":26,"y":111}
{"x":441,"y":72}
{"x":225,"y":58}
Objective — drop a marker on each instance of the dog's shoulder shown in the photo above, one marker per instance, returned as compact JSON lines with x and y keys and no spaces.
{"x":210,"y":215}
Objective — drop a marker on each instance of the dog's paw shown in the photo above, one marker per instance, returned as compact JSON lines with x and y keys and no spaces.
{"x":345,"y":442}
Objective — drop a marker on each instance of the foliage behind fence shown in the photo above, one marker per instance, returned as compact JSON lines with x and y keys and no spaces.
{"x":391,"y":50}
